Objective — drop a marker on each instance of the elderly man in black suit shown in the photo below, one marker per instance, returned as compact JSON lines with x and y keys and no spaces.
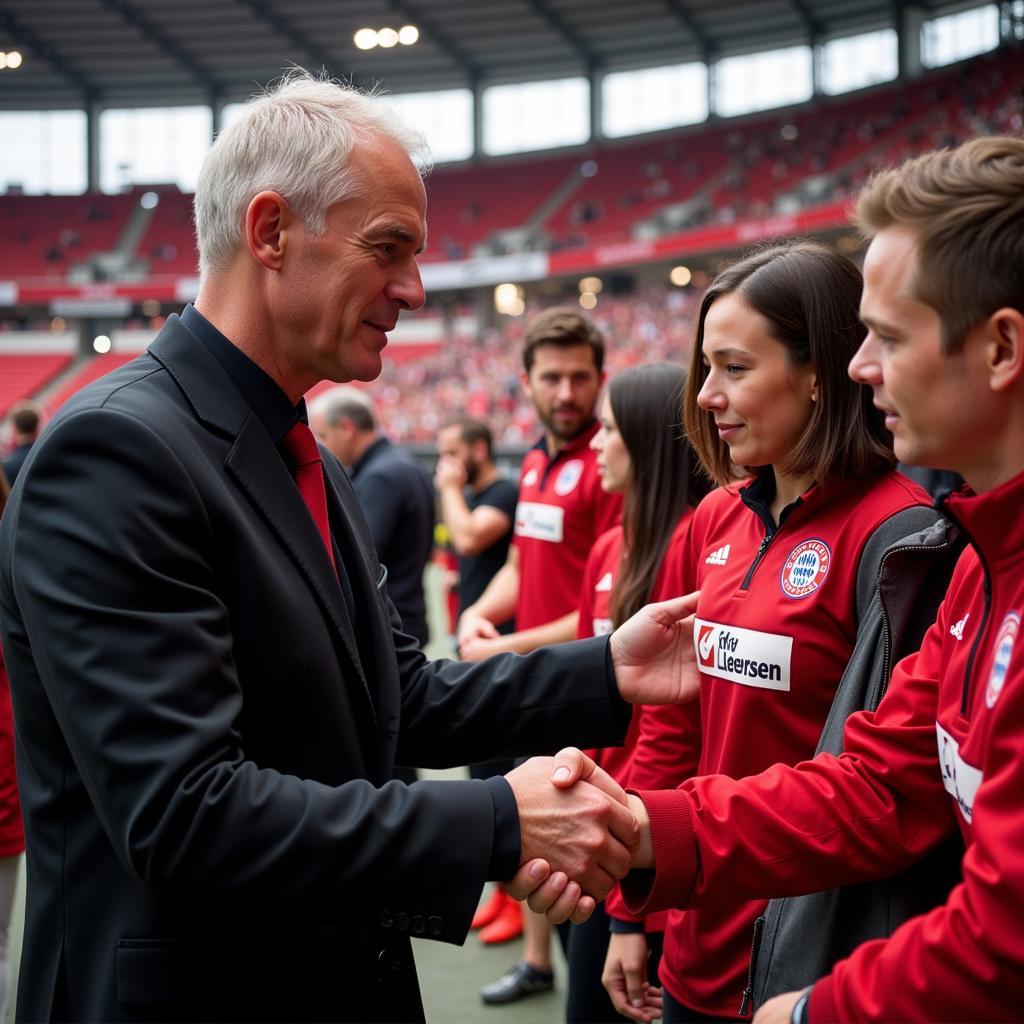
{"x":210,"y":682}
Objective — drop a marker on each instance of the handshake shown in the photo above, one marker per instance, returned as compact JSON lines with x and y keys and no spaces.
{"x":579,"y":834}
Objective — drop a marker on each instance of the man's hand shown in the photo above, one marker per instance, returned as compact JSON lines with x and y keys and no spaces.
{"x":472,"y":626}
{"x":625,"y":978}
{"x":571,"y":765}
{"x":450,"y":472}
{"x":478,"y":648}
{"x":585,"y":832}
{"x":778,"y":1010}
{"x":653,"y":653}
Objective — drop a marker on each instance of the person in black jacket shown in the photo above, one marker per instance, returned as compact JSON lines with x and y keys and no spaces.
{"x":210,"y":682}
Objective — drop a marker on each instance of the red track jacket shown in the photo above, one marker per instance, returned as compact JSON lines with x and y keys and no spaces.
{"x":944,"y":749}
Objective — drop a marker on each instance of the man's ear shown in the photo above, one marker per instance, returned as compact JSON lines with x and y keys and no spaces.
{"x":1004,"y":351}
{"x":266,"y":218}
{"x":524,"y":383}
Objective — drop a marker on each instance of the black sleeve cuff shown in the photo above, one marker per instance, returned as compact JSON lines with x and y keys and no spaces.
{"x":617,"y":927}
{"x":621,"y":708}
{"x":506,"y":846}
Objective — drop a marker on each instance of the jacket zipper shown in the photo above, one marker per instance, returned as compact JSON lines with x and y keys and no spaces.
{"x":755,"y":949}
{"x":768,"y":538}
{"x":986,"y":586}
{"x":886,"y":625}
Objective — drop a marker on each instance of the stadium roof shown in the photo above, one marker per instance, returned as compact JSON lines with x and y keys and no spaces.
{"x":176,"y":52}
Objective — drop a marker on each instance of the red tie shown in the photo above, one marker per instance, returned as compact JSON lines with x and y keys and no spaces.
{"x":309,"y":475}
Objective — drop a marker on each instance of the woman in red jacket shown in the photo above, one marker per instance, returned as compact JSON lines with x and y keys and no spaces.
{"x":642,"y":454}
{"x":775,"y":559}
{"x":12,"y":836}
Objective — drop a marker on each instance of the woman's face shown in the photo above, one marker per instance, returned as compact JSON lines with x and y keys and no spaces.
{"x":760,"y":403}
{"x":613,"y":461}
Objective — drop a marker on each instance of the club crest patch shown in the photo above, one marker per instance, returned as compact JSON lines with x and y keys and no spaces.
{"x":568,"y":477}
{"x":805,"y":569}
{"x":1005,"y":639}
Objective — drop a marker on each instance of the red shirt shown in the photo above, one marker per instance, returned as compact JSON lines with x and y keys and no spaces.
{"x":562,"y":510}
{"x":775,"y":627}
{"x":12,"y":834}
{"x":945,"y":749}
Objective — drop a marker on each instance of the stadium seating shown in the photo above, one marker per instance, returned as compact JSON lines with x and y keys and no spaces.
{"x":23,"y":376}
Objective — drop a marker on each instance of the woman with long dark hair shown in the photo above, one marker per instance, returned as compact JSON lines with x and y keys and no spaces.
{"x":775,"y":558}
{"x":641,"y":453}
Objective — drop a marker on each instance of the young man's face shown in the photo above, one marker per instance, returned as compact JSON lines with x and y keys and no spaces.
{"x":563,"y":385}
{"x":938,"y":406}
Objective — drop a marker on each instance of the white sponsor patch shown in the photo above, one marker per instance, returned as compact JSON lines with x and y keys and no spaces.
{"x":604,"y":583}
{"x":540,"y":522}
{"x":743,"y":656}
{"x":805,"y":569}
{"x":1001,"y":659}
{"x":960,"y":778}
{"x":602,"y":627}
{"x":957,"y":629}
{"x":568,"y":477}
{"x":530,"y":479}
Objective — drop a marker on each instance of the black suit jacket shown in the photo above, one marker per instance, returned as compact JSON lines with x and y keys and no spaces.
{"x":203,"y":739}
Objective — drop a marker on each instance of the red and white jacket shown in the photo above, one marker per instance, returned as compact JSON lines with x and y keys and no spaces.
{"x":945,"y":748}
{"x":776,"y":624}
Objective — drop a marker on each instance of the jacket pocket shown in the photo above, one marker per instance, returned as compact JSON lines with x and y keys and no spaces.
{"x":155,"y":971}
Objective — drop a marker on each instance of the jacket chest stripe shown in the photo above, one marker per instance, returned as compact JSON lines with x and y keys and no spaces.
{"x":960,"y":778}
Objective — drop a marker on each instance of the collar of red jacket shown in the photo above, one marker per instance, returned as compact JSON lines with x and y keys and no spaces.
{"x":994,"y":521}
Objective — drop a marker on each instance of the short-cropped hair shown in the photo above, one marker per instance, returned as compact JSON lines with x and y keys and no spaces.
{"x":565,"y":328}
{"x":345,"y":402}
{"x":808,"y":295}
{"x":296,"y":139}
{"x":966,"y":208}
{"x":471,"y":430}
{"x":25,"y":417}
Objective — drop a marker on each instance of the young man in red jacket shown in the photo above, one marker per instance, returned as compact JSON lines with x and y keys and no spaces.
{"x":944,"y":355}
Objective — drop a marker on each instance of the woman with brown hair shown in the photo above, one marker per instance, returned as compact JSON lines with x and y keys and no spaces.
{"x":642,"y":454}
{"x":807,"y":476}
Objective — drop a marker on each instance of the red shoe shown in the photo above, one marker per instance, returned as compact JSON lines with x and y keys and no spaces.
{"x":491,"y":909}
{"x":508,"y":925}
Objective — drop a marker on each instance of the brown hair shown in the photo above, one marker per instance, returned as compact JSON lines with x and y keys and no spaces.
{"x":563,"y":327}
{"x":25,"y":417}
{"x":808,"y":295}
{"x":966,"y":207}
{"x":664,"y":477}
{"x":471,"y":430}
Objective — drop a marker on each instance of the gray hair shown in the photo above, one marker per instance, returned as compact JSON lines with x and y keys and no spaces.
{"x":345,"y":402}
{"x":296,"y":139}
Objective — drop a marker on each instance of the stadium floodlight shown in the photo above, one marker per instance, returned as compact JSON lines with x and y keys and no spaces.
{"x":588,"y":300}
{"x":408,"y":34}
{"x":508,"y":299}
{"x":101,"y":343}
{"x":591,"y":284}
{"x":365,"y":38}
{"x":11,"y":59}
{"x":149,"y":200}
{"x":387,"y":37}
{"x":680,"y":276}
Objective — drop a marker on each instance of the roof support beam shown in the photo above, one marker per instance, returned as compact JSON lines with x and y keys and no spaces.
{"x":58,"y":62}
{"x":287,"y":28}
{"x":470,"y":69}
{"x":164,"y":43}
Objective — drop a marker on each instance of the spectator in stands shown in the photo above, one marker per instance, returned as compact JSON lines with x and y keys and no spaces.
{"x":394,"y":491}
{"x":26,"y":420}
{"x":642,"y":453}
{"x":562,"y":511}
{"x":478,"y":508}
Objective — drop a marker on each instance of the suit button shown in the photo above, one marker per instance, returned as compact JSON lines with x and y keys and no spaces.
{"x":419,"y":924}
{"x":435,"y":925}
{"x":402,"y":921}
{"x":388,"y":960}
{"x":386,"y":919}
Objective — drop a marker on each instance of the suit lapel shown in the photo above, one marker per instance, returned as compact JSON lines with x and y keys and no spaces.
{"x":258,"y":470}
